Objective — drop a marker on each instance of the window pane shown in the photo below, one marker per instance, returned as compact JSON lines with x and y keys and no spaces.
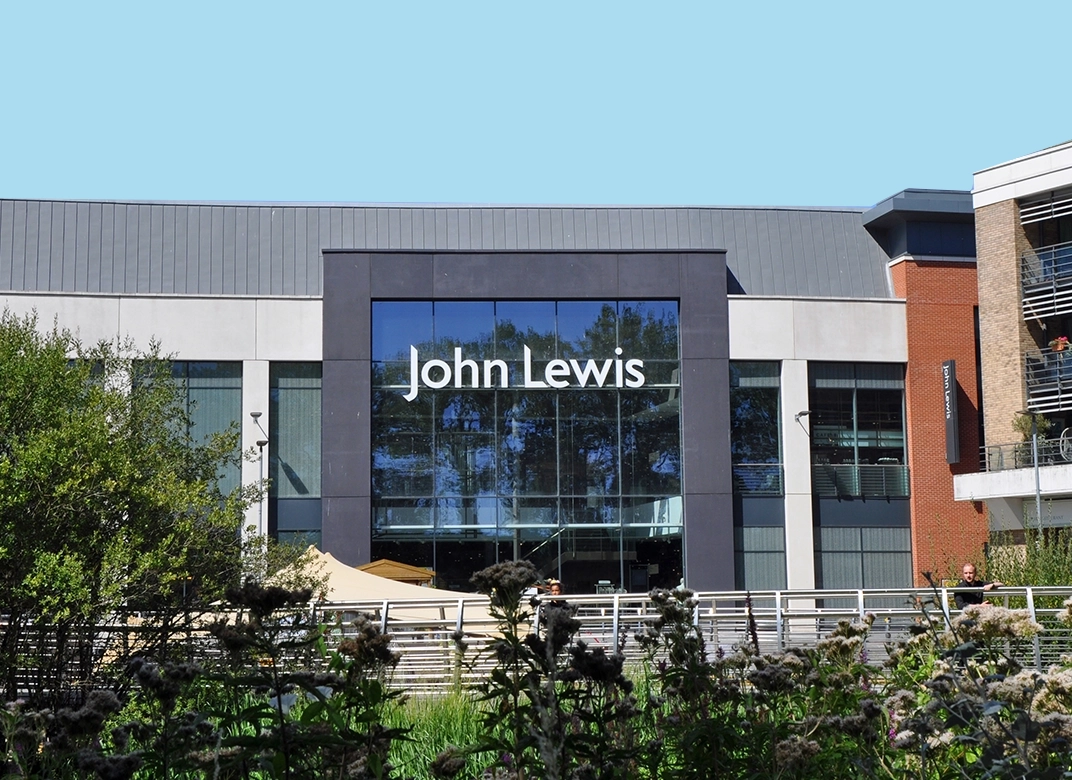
{"x":524,"y":323}
{"x":397,"y":325}
{"x":465,"y":324}
{"x":648,"y":330}
{"x":294,"y":429}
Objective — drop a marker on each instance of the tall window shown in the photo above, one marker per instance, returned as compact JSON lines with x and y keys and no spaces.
{"x":858,"y":429}
{"x":756,"y":453}
{"x":859,"y":477}
{"x":214,"y":403}
{"x":530,"y":430}
{"x":294,"y":468}
{"x":755,"y":435}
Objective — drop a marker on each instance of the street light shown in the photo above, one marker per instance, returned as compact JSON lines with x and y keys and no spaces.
{"x":1035,"y":462}
{"x":260,"y":504}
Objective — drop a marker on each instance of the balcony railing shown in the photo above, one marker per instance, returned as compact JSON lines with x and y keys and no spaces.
{"x":846,"y":480}
{"x":1046,"y":281}
{"x":1002,"y":457}
{"x":758,"y":479}
{"x":1048,"y":374}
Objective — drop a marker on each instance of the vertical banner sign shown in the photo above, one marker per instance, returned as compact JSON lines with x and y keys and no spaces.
{"x":949,"y":393}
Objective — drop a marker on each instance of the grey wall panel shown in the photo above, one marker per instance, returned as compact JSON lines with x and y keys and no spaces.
{"x":7,"y":242}
{"x":402,"y":276}
{"x":19,"y":238}
{"x":709,"y":542}
{"x":44,"y":246}
{"x":706,"y":439}
{"x":344,"y":530}
{"x":229,"y":253}
{"x":348,"y":308}
{"x":705,"y":332}
{"x":109,"y":247}
{"x":155,"y":270}
{"x":204,"y":249}
{"x":93,"y":258}
{"x":510,"y":236}
{"x":649,"y":275}
{"x":481,"y":275}
{"x":125,"y":258}
{"x":69,"y":260}
{"x":400,"y":225}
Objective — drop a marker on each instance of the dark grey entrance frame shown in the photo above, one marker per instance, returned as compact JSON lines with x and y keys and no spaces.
{"x":697,"y":279}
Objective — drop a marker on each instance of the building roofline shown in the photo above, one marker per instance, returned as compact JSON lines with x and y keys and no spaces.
{"x":460,"y":205}
{"x":1039,"y":153}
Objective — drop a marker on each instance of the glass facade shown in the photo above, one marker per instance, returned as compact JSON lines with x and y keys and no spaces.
{"x":859,"y":478}
{"x":539,"y":430}
{"x":294,"y":512}
{"x":214,"y":403}
{"x":758,"y":484}
{"x":858,"y":429}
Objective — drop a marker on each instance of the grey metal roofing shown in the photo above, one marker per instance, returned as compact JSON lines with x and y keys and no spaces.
{"x":267,"y":249}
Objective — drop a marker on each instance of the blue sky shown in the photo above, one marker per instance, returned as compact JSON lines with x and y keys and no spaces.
{"x":705,"y":103}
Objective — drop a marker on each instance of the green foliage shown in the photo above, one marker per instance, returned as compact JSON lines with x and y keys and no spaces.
{"x":1043,"y":558}
{"x":553,"y":707}
{"x":106,"y":501}
{"x":1021,"y":423}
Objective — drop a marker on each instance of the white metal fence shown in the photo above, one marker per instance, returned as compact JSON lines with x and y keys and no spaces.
{"x":424,"y":631}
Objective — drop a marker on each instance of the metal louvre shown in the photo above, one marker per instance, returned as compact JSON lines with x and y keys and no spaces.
{"x":1046,"y":281}
{"x":1058,"y":205}
{"x":1048,"y":374}
{"x":867,"y":480}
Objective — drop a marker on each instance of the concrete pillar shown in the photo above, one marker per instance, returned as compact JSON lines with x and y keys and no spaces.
{"x":255,"y":399}
{"x":796,"y":457}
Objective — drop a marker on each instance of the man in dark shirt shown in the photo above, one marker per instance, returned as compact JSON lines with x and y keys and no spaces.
{"x":968,"y":597}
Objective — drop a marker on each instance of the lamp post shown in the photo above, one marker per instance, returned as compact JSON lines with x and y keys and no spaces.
{"x":261,"y":443}
{"x":260,"y":503}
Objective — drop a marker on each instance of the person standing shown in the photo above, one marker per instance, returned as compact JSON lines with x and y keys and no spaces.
{"x":966,"y":598}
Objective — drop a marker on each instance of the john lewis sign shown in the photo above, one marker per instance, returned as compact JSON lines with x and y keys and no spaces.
{"x":436,"y":374}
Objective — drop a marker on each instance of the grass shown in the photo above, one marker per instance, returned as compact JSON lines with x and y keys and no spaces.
{"x":438,"y":722}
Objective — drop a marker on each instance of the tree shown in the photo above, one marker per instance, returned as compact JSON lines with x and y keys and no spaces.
{"x":107,"y":502}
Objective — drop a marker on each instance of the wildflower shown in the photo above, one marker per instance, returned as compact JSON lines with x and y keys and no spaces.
{"x":795,"y":752}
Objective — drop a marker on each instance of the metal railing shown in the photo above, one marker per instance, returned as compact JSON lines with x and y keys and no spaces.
{"x":1048,"y":374}
{"x":426,"y":632}
{"x":764,"y":479}
{"x":866,"y":481}
{"x":1003,"y":457}
{"x":431,"y":659}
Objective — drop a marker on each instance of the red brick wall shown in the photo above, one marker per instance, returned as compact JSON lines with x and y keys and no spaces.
{"x":940,"y":298}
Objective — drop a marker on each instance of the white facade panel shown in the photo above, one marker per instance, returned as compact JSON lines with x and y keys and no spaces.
{"x":90,"y":318}
{"x":1050,"y":169}
{"x":290,"y":329}
{"x":817,"y":329}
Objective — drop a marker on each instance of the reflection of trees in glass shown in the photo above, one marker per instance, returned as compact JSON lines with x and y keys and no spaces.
{"x":650,"y":444}
{"x":527,"y":443}
{"x":456,"y":443}
{"x":754,"y":425}
{"x":648,"y":331}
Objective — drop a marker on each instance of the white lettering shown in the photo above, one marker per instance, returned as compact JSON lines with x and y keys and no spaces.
{"x":529,"y":381}
{"x":459,"y":364}
{"x":412,"y":374}
{"x":632,"y":367}
{"x":558,"y":373}
{"x":426,"y":374}
{"x":554,"y":370}
{"x":591,"y":369}
{"x":499,"y":364}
